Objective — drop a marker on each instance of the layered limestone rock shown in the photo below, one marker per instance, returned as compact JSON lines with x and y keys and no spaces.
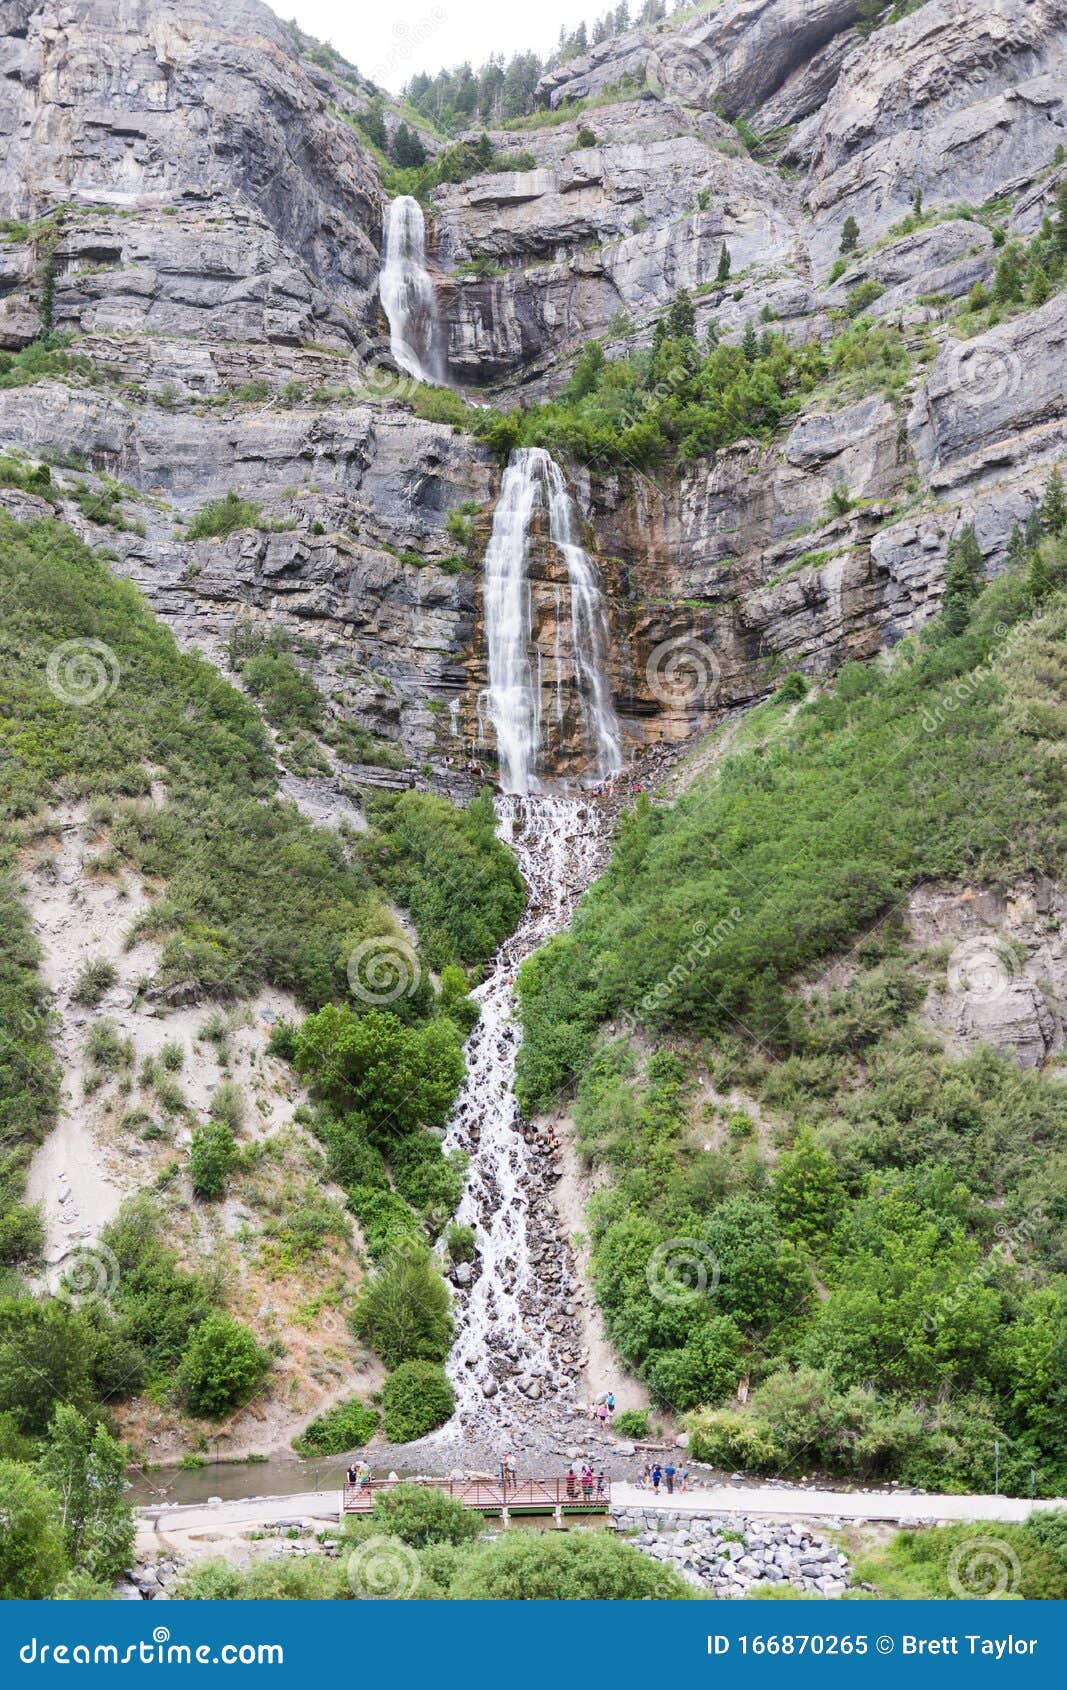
{"x":217,"y":262}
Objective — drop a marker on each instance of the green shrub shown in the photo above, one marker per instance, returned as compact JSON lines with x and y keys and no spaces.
{"x":416,"y":1397}
{"x":220,"y":517}
{"x":565,"y":1567}
{"x":221,"y":1368}
{"x":32,"y":1554}
{"x":95,"y":978}
{"x":404,"y":1310}
{"x":347,"y":1425}
{"x":422,"y":1515}
{"x":945,"y":1563}
{"x":211,"y":1158}
{"x":631,"y":1423}
{"x":461,"y":1243}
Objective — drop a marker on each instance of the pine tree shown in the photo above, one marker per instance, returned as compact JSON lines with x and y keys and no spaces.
{"x":963,"y":580}
{"x":1054,"y":505}
{"x":750,"y":343}
{"x":407,"y":150}
{"x":723,"y":274}
{"x":917,"y":203}
{"x":1040,"y":287}
{"x":1008,"y":287}
{"x":681,"y":318}
{"x":1060,"y":225}
{"x":850,"y":235}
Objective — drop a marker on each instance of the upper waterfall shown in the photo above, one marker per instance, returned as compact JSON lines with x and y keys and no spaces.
{"x":407,"y":293}
{"x":534,"y":482}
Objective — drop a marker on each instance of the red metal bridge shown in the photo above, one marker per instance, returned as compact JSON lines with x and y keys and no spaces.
{"x":489,"y":1496}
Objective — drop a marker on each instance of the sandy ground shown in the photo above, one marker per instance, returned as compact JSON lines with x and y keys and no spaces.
{"x":98,"y":1153}
{"x":604,"y":1371}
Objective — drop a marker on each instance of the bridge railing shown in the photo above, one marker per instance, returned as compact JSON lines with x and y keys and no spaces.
{"x":490,"y":1494}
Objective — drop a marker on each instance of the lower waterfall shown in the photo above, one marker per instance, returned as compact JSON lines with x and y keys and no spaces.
{"x":505,"y":1354}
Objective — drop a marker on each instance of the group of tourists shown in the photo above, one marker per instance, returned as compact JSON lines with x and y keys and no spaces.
{"x":358,"y":1476}
{"x":604,"y":1408}
{"x":586,"y":1484}
{"x":655,"y":1473}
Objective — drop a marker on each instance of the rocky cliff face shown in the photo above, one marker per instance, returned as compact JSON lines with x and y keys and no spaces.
{"x":217,"y":260}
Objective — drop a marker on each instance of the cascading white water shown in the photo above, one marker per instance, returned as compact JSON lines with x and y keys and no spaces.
{"x":533,"y":482}
{"x":407,"y":293}
{"x":504,"y":1350}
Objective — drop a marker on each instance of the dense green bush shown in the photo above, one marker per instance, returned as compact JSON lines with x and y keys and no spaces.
{"x":32,"y":1554}
{"x":221,"y":1368}
{"x":416,"y":1397}
{"x":566,"y":1567}
{"x":220,"y":517}
{"x":422,"y":1515}
{"x":394,"y":1078}
{"x":347,"y":1425}
{"x":949,"y":1563}
{"x":404,"y":1309}
{"x":446,"y":866}
{"x":211,"y":1158}
{"x":631,"y":1423}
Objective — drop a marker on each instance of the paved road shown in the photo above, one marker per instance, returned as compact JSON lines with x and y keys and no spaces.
{"x":713,"y":1499}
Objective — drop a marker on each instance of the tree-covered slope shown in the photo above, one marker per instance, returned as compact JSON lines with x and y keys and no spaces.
{"x":807,"y":1192}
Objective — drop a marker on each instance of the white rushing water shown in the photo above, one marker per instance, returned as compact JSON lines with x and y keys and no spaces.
{"x":534,"y":483}
{"x":505,"y":1353}
{"x":407,"y":293}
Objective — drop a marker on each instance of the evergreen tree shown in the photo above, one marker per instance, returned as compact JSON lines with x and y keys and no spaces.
{"x":1008,"y":287}
{"x":372,"y":124}
{"x":850,"y":235}
{"x":917,"y":203}
{"x":1060,"y":224}
{"x":408,"y":152}
{"x":1054,"y":505}
{"x":963,"y":580}
{"x":681,"y":318}
{"x":750,"y":343}
{"x":723,"y":274}
{"x":1040,"y":287}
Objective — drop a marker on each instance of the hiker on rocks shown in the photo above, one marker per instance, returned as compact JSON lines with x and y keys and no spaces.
{"x":657,"y":1476}
{"x":683,"y":1479}
{"x":646,"y":1475}
{"x":602,"y":1414}
{"x":668,"y":1473}
{"x":611,"y":1405}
